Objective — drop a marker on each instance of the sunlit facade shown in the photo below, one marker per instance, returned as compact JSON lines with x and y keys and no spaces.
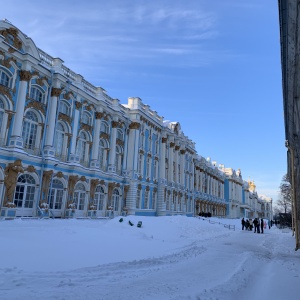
{"x":67,"y":149}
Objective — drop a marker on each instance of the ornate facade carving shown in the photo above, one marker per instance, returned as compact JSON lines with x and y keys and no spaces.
{"x":68,"y":95}
{"x":111,"y":187}
{"x":94,"y":183}
{"x":25,"y":75}
{"x":31,"y":169}
{"x":59,"y":174}
{"x":71,"y":183}
{"x":55,"y":92}
{"x":86,"y":127}
{"x":36,"y":105}
{"x":12,"y":33}
{"x":11,"y":173}
{"x":65,"y":118}
{"x":172,"y":145}
{"x":134,"y":125}
{"x":164,"y":140}
{"x":104,"y":135}
{"x":98,"y":115}
{"x":78,"y":105}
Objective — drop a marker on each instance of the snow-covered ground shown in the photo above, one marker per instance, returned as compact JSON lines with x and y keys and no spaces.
{"x":167,"y":258}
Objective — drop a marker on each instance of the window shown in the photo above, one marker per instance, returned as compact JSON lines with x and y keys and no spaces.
{"x":148,"y":171}
{"x":153,"y":200}
{"x":99,"y":197}
{"x":140,"y":163}
{"x":25,"y":191}
{"x":104,"y":127}
{"x":59,"y":140}
{"x":118,"y":159}
{"x":79,"y":196}
{"x":146,"y":200}
{"x":116,"y":200}
{"x":65,"y":108}
{"x":103,"y":154}
{"x":56,"y":195}
{"x":86,"y":118}
{"x":120,"y":134}
{"x":29,"y":132}
{"x":138,"y":198}
{"x":36,"y":94}
{"x":82,"y":147}
{"x":5,"y":79}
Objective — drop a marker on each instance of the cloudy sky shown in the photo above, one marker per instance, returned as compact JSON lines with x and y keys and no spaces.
{"x":214,"y":66}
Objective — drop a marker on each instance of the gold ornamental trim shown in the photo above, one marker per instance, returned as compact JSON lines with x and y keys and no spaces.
{"x":98,"y":115}
{"x":65,"y":118}
{"x":25,"y":75}
{"x":134,"y":125}
{"x":12,"y":33}
{"x":55,"y":92}
{"x":172,"y":145}
{"x":78,"y":105}
{"x":164,"y":140}
{"x":36,"y":105}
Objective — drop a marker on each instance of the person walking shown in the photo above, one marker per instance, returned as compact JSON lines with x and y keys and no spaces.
{"x":255,"y":222}
{"x":243,"y":223}
{"x":262,"y":225}
{"x":269,"y":224}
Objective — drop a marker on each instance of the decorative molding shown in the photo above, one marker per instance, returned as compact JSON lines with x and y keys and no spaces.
{"x":12,"y":32}
{"x":94,"y":183}
{"x":82,"y":178}
{"x":98,"y":115}
{"x":6,"y":62}
{"x":182,"y":151}
{"x":78,"y":105}
{"x":6,"y":91}
{"x":104,"y":135}
{"x":172,"y":145}
{"x":134,"y":125}
{"x":177,"y":148}
{"x":65,"y":118}
{"x":86,"y":127}
{"x":59,"y":174}
{"x":36,"y":105}
{"x":40,"y":82}
{"x":164,"y":140}
{"x":67,"y":95}
{"x":55,"y":92}
{"x":25,"y":75}
{"x":119,"y":142}
{"x":30,"y":169}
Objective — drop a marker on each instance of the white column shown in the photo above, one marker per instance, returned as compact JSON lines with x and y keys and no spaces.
{"x":176,"y":179}
{"x":133,"y":148}
{"x":182,"y":161}
{"x":161,"y":201}
{"x":73,"y":156}
{"x":55,"y":92}
{"x":171,"y":160}
{"x":96,"y":138}
{"x":16,"y":138}
{"x":113,"y":139}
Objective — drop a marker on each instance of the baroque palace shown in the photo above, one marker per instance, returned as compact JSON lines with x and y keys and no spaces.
{"x":67,"y":149}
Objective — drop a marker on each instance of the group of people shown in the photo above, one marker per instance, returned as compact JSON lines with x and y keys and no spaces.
{"x":258,"y":224}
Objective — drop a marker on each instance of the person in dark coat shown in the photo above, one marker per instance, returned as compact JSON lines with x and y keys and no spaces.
{"x":243,"y":223}
{"x":262,"y":225}
{"x":256,"y":225}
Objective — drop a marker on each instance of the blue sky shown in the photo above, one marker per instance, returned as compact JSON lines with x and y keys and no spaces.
{"x":214,"y":66}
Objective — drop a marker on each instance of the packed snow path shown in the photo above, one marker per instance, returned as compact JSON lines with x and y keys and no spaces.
{"x":206,"y":262}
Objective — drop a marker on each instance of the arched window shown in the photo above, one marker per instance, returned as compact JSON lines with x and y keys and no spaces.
{"x":5,"y":78}
{"x":116,"y":200}
{"x":59,"y":140}
{"x":36,"y":94}
{"x":29,"y":132}
{"x":99,"y":198}
{"x":81,"y":149}
{"x":104,"y":127}
{"x":25,"y":190}
{"x":148,"y":170}
{"x":65,"y":108}
{"x":120,"y":134}
{"x":86,"y":118}
{"x":103,"y":154}
{"x":119,"y":159}
{"x":56,"y":195}
{"x":79,"y":196}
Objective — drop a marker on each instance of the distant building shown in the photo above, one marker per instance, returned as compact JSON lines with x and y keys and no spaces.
{"x":67,"y":149}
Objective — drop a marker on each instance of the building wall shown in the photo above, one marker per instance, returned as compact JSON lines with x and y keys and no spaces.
{"x":69,"y":149}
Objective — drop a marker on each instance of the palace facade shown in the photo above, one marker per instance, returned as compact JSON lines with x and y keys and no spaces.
{"x":67,"y":149}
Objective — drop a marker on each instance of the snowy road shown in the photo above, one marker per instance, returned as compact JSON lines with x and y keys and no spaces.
{"x":224,"y":265}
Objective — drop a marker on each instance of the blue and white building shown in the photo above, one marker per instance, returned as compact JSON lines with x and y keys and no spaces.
{"x":70,"y":150}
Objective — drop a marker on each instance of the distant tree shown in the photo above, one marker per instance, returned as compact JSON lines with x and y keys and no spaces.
{"x":284,"y":203}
